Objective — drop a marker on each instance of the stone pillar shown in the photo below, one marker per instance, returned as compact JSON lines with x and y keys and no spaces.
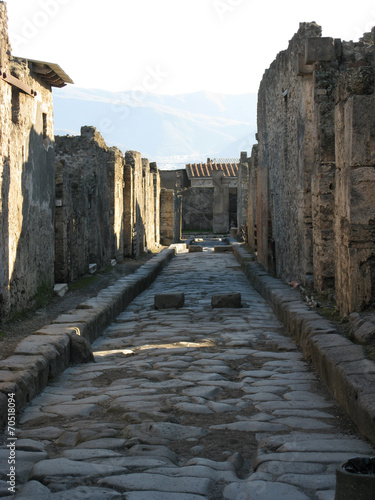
{"x":354,"y":195}
{"x":156,"y":201}
{"x":167,"y":215}
{"x":252,"y":200}
{"x":128,"y":210}
{"x":242,"y":193}
{"x":221,"y":203}
{"x":133,"y":158}
{"x":117,"y":202}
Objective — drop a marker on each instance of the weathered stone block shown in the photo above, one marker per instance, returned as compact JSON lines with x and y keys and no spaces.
{"x":223,"y":248}
{"x":80,"y":350}
{"x":232,"y":300}
{"x":60,"y":289}
{"x":169,"y":300}
{"x":93,"y":268}
{"x":320,"y":49}
{"x":195,"y":248}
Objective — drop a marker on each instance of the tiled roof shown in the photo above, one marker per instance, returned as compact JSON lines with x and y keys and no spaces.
{"x":195,"y":170}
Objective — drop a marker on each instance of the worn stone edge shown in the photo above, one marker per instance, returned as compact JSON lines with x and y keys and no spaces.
{"x":342,"y":365}
{"x":44,"y":354}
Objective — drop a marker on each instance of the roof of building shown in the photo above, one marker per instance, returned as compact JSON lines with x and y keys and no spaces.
{"x":51,"y":73}
{"x":195,"y":170}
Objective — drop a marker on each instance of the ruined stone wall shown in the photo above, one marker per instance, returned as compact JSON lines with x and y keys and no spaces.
{"x":26,"y":182}
{"x":313,"y":167}
{"x":197,"y":206}
{"x":285,"y":162}
{"x":89,"y":193}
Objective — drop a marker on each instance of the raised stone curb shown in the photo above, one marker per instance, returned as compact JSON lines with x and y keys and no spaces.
{"x":48,"y":352}
{"x":342,"y":365}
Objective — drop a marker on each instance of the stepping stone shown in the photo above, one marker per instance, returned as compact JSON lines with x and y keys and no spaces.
{"x":93,"y":268}
{"x":169,"y":300}
{"x":223,"y":248}
{"x":195,"y":248}
{"x":60,"y":289}
{"x":232,"y":300}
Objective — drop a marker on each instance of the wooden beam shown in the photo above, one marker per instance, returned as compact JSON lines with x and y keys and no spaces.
{"x":12,"y":80}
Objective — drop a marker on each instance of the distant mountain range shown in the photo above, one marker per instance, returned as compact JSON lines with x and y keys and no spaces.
{"x":171,"y":130}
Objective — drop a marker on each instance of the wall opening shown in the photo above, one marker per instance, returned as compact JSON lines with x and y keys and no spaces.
{"x":15,"y":105}
{"x":45,"y":127}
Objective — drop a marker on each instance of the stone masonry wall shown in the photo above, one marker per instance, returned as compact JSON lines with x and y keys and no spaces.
{"x":26,"y":182}
{"x":285,"y":162}
{"x":90,"y":204}
{"x":107,"y":204}
{"x":197,"y":206}
{"x":312,"y":172}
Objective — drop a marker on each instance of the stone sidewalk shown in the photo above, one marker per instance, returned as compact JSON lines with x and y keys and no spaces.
{"x":186,"y":404}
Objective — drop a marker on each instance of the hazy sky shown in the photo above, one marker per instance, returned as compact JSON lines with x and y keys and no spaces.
{"x":172,"y":46}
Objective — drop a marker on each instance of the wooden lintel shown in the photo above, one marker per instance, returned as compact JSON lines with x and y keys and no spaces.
{"x":12,"y":80}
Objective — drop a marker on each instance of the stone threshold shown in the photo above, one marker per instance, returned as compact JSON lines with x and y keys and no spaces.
{"x":46,"y":353}
{"x":342,"y":365}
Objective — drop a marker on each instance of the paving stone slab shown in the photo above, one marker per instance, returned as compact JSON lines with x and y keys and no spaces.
{"x":65,"y":467}
{"x":278,"y":467}
{"x":85,"y":493}
{"x":309,"y":481}
{"x":89,"y":454}
{"x":304,"y":423}
{"x":251,"y":426}
{"x":314,"y":457}
{"x":33,"y":489}
{"x":159,"y":482}
{"x":106,"y":443}
{"x":48,"y":433}
{"x":165,"y":430}
{"x":71,"y":410}
{"x":194,"y":471}
{"x":154,"y":495}
{"x":263,"y":490}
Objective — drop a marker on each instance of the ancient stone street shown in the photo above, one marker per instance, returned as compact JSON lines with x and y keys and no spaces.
{"x":186,"y":404}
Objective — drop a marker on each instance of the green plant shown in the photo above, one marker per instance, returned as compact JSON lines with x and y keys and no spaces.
{"x":82,"y":283}
{"x":43,"y":295}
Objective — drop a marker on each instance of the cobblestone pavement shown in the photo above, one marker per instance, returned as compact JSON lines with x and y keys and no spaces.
{"x":186,"y":404}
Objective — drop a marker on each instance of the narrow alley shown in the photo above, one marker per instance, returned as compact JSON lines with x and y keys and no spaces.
{"x":186,"y":404}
